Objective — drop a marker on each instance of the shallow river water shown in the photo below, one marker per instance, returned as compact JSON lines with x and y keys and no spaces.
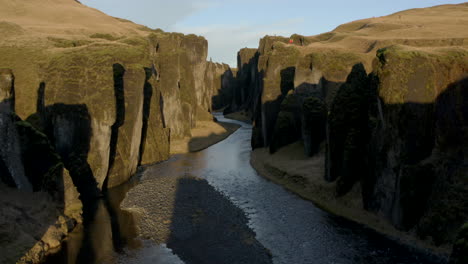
{"x":291,"y":229}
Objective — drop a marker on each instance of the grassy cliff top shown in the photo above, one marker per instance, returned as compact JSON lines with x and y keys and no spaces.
{"x":64,"y":19}
{"x":66,"y":24}
{"x":425,"y":29}
{"x":63,"y":43}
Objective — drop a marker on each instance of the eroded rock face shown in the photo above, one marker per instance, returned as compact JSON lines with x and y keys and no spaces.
{"x":247,"y":60}
{"x":53,"y":209}
{"x":94,"y":103}
{"x":313,"y":120}
{"x":155,"y":133}
{"x":126,"y":132}
{"x":288,"y":124}
{"x":180,"y":63}
{"x":283,"y":66}
{"x":394,"y":123}
{"x":348,"y":131}
{"x":11,"y":167}
{"x":107,"y":109}
{"x":419,"y":145}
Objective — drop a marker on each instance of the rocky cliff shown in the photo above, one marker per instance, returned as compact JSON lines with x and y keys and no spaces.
{"x":110,"y":96}
{"x":385,"y":100}
{"x":94,"y":97}
{"x":46,"y":193}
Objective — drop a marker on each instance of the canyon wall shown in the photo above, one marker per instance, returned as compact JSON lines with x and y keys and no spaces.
{"x":388,"y":113}
{"x":109,"y":107}
{"x":86,"y":99}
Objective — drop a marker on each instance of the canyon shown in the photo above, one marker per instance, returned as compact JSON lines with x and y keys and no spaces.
{"x":381,"y":103}
{"x":376,"y":112}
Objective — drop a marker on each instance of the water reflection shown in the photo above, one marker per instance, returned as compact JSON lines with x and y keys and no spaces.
{"x":106,"y":231}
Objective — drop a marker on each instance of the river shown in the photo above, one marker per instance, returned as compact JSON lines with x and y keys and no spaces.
{"x":212,"y":207}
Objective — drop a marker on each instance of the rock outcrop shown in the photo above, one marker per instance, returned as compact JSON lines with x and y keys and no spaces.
{"x":215,"y":77}
{"x":29,"y":163}
{"x":94,"y":97}
{"x":418,"y":147}
{"x":386,"y":98}
{"x":110,"y":97}
{"x":12,"y":169}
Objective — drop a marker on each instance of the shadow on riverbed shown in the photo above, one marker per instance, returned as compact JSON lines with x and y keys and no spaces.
{"x":104,"y":233}
{"x":207,"y":228}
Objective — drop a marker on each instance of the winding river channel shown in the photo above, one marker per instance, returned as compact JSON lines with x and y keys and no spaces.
{"x":212,"y":207}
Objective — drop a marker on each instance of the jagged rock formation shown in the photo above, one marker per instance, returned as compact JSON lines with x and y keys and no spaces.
{"x":127,"y":89}
{"x":12,"y":170}
{"x":95,"y":97}
{"x":246,"y":71}
{"x":215,"y":78}
{"x":420,"y":144}
{"x":386,"y":98}
{"x":29,"y":163}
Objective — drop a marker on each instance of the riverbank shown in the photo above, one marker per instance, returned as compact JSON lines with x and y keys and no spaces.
{"x":303,"y":176}
{"x":205,"y":134}
{"x":243,"y":116}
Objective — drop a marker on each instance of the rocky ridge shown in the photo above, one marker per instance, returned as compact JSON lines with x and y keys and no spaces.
{"x":92,"y":97}
{"x":384,"y":100}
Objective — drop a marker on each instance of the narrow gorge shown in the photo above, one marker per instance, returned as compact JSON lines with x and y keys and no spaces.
{"x":369,"y":122}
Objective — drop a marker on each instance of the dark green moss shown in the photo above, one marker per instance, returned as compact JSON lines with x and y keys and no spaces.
{"x":313,"y":123}
{"x":104,"y":36}
{"x":287,"y":128}
{"x":349,"y":130}
{"x":67,"y":43}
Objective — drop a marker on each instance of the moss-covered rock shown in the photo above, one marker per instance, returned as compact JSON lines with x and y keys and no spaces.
{"x":277,"y":68}
{"x":42,"y":164}
{"x":419,"y":139}
{"x":284,"y":134}
{"x":180,"y":64}
{"x":288,"y":124}
{"x":314,"y":116}
{"x":155,"y":133}
{"x":126,"y":132}
{"x":11,"y":164}
{"x":348,"y":131}
{"x":247,"y":61}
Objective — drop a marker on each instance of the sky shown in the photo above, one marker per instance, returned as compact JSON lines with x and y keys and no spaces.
{"x":231,"y":25}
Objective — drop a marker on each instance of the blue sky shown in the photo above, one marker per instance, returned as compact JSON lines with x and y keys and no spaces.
{"x":232,"y":25}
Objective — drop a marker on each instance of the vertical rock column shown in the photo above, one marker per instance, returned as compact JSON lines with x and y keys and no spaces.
{"x":12,"y":171}
{"x":125,"y":154}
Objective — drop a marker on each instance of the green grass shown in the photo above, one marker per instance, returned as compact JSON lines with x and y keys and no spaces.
{"x":104,"y":36}
{"x":68,"y":43}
